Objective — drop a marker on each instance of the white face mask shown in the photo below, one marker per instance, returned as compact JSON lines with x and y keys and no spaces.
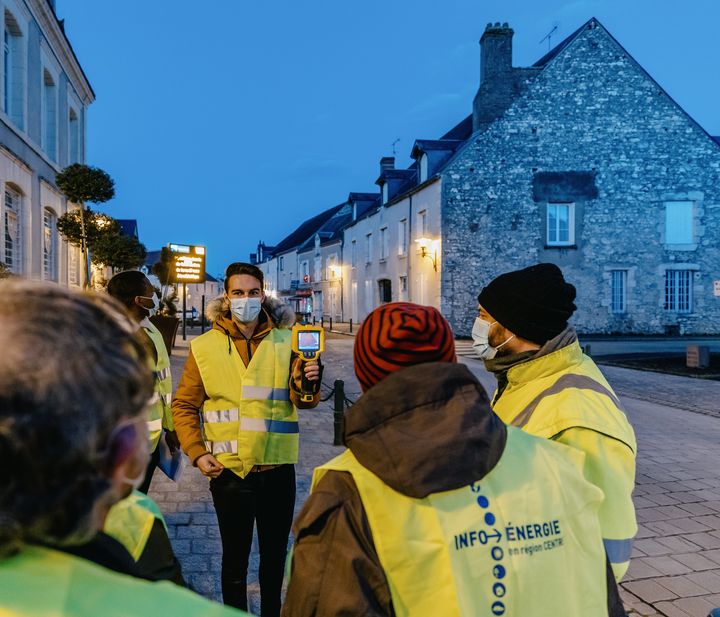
{"x":481,"y":343}
{"x":245,"y":310}
{"x":155,"y":305}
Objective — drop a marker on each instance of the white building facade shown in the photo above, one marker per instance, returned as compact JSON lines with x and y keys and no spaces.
{"x":44,"y":96}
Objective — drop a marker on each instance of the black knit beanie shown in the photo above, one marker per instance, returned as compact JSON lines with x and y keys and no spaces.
{"x":534,"y":303}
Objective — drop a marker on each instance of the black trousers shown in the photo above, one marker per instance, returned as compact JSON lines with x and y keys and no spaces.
{"x":154,"y":459}
{"x":265,"y":497}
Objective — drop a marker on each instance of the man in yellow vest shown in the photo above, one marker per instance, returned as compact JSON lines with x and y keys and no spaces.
{"x":235,"y":413}
{"x":74,"y":398}
{"x":438,"y":508}
{"x":548,"y":387}
{"x":133,"y":289}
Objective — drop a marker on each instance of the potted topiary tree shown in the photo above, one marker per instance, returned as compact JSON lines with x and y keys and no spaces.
{"x":81,"y":184}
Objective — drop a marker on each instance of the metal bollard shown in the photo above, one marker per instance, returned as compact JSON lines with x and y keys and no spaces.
{"x":351,"y":326}
{"x":339,"y":413}
{"x":330,"y":328}
{"x":322,"y":322}
{"x":586,"y":349}
{"x":313,"y":320}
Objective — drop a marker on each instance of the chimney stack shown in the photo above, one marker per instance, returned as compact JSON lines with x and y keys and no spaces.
{"x":387,"y":163}
{"x":497,"y":76}
{"x":495,"y":51}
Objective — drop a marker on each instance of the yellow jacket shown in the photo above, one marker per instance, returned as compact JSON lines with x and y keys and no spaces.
{"x":563,"y":396}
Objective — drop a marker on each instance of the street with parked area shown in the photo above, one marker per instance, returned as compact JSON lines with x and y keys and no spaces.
{"x":675,"y":569}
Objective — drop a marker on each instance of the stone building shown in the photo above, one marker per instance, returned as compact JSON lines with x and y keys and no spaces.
{"x":44,"y":96}
{"x":582,"y":160}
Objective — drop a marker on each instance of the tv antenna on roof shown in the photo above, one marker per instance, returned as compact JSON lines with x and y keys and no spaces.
{"x":549,"y":36}
{"x":393,"y":145}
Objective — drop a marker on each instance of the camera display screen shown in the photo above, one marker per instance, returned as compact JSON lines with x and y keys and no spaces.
{"x":308,"y":341}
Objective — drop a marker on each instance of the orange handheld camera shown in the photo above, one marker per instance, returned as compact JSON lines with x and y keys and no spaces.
{"x":308,"y":342}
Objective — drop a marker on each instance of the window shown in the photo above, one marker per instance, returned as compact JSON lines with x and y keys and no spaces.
{"x":678,"y":291}
{"x":331,"y":266}
{"x":74,"y":139}
{"x":305,"y":269}
{"x":403,"y":288}
{"x":423,"y":168}
{"x":13,"y":71}
{"x":11,"y":231}
{"x":49,"y":245}
{"x":385,"y":290}
{"x":560,"y":224}
{"x":282,"y":264}
{"x":317,"y":267}
{"x":402,"y":238}
{"x":422,"y":224}
{"x":384,"y":243}
{"x":73,"y":264}
{"x":385,"y":193}
{"x":368,"y":248}
{"x":618,"y":291}
{"x":369,"y":298}
{"x":353,"y":253}
{"x":679,"y":222}
{"x":49,"y":102}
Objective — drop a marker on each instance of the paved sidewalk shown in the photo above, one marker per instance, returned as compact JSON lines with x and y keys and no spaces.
{"x":675,"y":569}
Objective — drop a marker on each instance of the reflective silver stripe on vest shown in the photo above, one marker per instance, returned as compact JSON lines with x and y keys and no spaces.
{"x":163,"y":374}
{"x":266,"y":393}
{"x":222,"y":447}
{"x":167,"y":398}
{"x":154,"y":425}
{"x":222,"y":415}
{"x":580,"y":382}
{"x":618,"y":551}
{"x":261,"y":425}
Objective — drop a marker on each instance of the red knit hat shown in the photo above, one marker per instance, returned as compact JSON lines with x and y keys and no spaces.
{"x":397,"y":335}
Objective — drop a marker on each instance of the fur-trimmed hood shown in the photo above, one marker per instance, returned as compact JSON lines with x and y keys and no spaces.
{"x":282,"y":315}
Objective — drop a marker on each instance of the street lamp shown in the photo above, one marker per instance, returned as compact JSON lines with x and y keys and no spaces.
{"x":428,"y":248}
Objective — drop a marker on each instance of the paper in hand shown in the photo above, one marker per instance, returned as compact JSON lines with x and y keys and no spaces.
{"x":171,"y":465}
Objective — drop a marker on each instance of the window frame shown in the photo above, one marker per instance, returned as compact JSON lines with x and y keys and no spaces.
{"x":618,"y":275}
{"x":677,"y":282}
{"x":685,"y":241}
{"x":384,"y":243}
{"x":50,"y":261}
{"x":16,"y":206}
{"x":402,"y":238}
{"x":557,"y":243}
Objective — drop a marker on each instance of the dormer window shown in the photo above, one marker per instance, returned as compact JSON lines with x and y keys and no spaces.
{"x":423,"y":168}
{"x":385,"y":193}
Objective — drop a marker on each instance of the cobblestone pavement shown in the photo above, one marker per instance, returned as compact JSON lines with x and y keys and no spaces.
{"x":675,"y":570}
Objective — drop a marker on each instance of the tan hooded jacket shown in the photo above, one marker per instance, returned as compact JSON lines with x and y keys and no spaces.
{"x":190,"y":394}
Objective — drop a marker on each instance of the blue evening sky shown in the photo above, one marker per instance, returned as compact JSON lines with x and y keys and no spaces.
{"x":225,"y":122}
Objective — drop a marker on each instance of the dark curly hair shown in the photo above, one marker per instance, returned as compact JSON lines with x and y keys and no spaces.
{"x":73,"y":366}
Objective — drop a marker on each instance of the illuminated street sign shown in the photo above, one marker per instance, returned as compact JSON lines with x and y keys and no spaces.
{"x":188,"y":263}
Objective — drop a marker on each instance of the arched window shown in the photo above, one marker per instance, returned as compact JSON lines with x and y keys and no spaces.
{"x":73,"y":137}
{"x":50,"y":244}
{"x":12,"y":230}
{"x":49,"y":134}
{"x":13,"y":71}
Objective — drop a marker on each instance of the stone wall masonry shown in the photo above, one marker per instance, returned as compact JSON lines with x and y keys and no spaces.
{"x":593,"y":110}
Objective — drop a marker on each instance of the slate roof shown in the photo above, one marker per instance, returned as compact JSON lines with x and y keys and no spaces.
{"x":128,"y":227}
{"x":304,"y":231}
{"x":716,"y":138}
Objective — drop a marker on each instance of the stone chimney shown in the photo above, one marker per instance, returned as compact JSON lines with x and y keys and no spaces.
{"x":495,"y":51}
{"x":496,"y":75}
{"x":387,"y":163}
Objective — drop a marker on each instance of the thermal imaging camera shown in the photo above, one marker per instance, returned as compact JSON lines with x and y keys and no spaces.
{"x":308,"y":342}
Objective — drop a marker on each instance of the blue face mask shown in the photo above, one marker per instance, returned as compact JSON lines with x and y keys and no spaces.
{"x":245,"y":310}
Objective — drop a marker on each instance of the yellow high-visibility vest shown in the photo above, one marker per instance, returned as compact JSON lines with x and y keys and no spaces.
{"x":41,"y":582}
{"x":248,"y":418}
{"x":131,"y":520}
{"x":566,"y":390}
{"x":524,"y":540}
{"x":160,"y":415}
